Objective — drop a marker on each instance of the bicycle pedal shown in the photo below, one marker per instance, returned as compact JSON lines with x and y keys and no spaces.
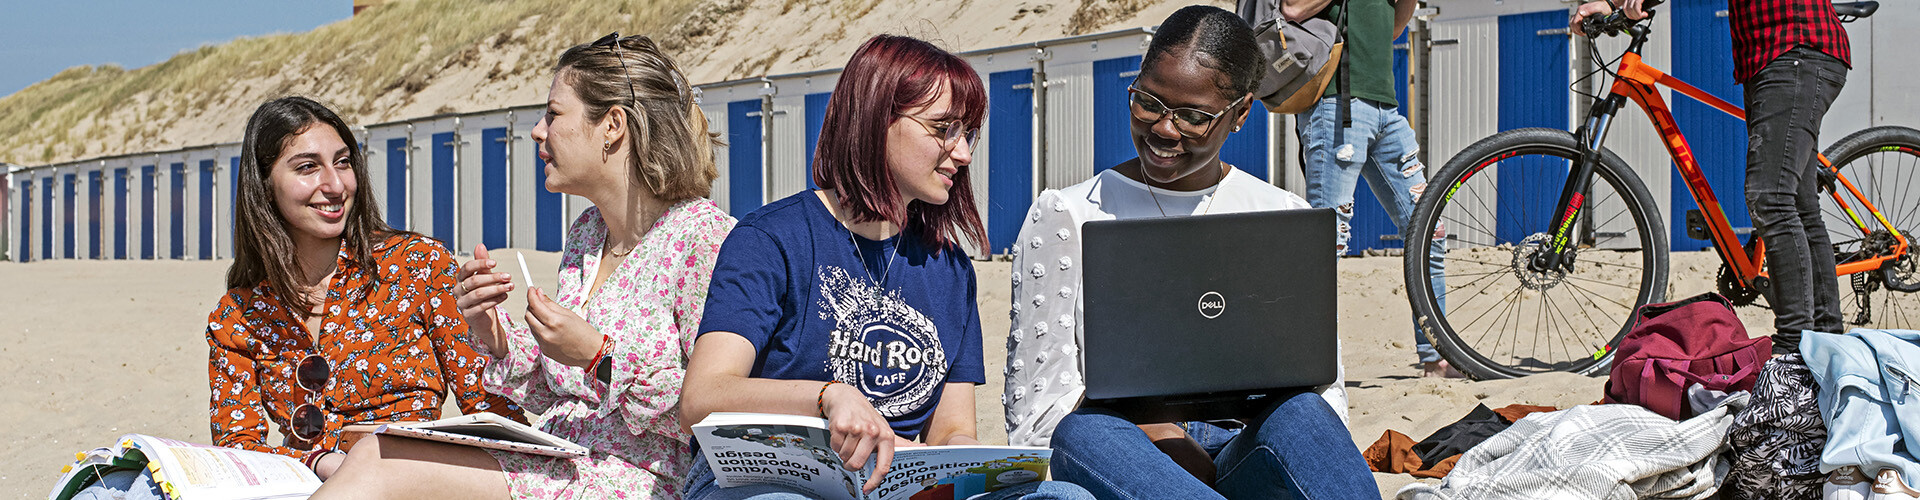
{"x":1697,"y":225}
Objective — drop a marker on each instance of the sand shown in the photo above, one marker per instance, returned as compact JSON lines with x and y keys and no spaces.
{"x":103,"y":348}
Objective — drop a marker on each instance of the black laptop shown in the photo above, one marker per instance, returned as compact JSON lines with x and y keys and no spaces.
{"x":1208,"y":317}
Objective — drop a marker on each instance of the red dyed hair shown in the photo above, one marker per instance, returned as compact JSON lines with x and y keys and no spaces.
{"x":889,"y":75}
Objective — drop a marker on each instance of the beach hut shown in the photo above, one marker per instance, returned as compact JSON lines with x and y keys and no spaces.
{"x":120,"y":184}
{"x":93,"y":189}
{"x":176,"y":173}
{"x":389,"y":154}
{"x":482,"y":206}
{"x":734,"y":109}
{"x":799,"y":103}
{"x":8,"y":208}
{"x":226,"y":190}
{"x":203,"y":167}
{"x":19,"y":220}
{"x":433,"y":198}
{"x":1086,"y":83}
{"x":1004,"y":160}
{"x":538,"y":217}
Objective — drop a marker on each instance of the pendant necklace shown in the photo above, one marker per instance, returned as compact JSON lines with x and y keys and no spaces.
{"x":880,"y":285}
{"x":1163,"y":210}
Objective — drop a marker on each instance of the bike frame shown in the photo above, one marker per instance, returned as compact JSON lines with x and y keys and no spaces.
{"x":1637,"y":81}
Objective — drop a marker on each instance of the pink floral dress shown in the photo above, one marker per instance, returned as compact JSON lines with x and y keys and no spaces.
{"x":650,"y":306}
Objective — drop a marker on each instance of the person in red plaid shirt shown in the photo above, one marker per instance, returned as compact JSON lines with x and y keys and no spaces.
{"x":1792,"y":56}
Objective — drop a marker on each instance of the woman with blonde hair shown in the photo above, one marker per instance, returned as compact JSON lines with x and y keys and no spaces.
{"x":602,"y":359}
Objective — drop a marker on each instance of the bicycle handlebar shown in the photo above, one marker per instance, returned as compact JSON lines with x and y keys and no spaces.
{"x":1611,"y":24}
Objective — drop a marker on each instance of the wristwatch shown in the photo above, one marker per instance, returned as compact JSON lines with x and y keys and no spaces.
{"x":603,"y":369}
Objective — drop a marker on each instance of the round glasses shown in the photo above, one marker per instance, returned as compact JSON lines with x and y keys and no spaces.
{"x":309,"y":422}
{"x":1191,"y":123}
{"x":950,"y":132}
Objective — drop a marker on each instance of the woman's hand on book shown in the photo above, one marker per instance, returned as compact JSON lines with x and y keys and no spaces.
{"x":859,"y":432}
{"x":477,"y":290}
{"x":564,"y":337}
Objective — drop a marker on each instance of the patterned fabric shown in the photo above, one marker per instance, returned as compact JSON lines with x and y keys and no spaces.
{"x":1764,"y":29}
{"x":649,"y":306}
{"x":1621,"y":452}
{"x":1777,"y":439}
{"x":397,"y":347}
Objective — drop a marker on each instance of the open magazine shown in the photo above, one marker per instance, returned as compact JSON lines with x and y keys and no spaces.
{"x":191,"y":471}
{"x":795,"y":452}
{"x":484,"y":430}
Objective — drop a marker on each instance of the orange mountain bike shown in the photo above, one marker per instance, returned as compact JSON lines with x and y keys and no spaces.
{"x":1528,"y":284}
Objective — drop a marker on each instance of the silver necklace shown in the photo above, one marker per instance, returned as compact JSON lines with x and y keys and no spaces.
{"x":1163,"y":211}
{"x":880,"y":285}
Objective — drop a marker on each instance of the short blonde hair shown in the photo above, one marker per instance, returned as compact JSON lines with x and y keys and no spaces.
{"x":673,"y":150}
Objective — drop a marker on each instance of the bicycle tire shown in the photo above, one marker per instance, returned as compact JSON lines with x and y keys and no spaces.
{"x":1624,"y":246}
{"x":1884,"y":163}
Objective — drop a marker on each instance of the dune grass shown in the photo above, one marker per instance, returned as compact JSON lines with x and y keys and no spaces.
{"x":396,"y":47}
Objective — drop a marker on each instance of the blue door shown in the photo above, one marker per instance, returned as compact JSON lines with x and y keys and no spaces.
{"x":46,"y":218}
{"x":1533,"y":93}
{"x":1371,"y":226}
{"x":443,"y":186}
{"x":397,"y":183}
{"x":233,"y":200}
{"x":73,"y":191}
{"x":1701,"y":42}
{"x":493,"y":187}
{"x":149,"y":187}
{"x":120,"y":213}
{"x":26,"y":221}
{"x":743,"y":157}
{"x":96,"y":187}
{"x":816,"y":118}
{"x":548,"y":222}
{"x":208,"y":168}
{"x":1112,"y":131}
{"x":1010,"y":156}
{"x":177,"y":213}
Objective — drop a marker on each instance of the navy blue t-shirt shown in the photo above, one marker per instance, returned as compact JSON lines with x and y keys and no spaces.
{"x":790,"y":281}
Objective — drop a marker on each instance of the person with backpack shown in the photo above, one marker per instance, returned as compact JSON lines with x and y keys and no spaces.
{"x":1368,"y":138}
{"x":1792,"y":56}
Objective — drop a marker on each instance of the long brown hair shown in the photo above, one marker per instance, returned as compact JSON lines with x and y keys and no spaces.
{"x":263,"y":249}
{"x":667,"y":133}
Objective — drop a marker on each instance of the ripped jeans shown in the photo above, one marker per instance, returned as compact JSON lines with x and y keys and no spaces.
{"x":1381,"y":148}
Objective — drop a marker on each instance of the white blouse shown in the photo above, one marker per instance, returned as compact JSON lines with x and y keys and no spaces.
{"x":1044,"y":366}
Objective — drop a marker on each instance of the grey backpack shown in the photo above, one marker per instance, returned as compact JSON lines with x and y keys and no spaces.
{"x":1301,"y":56}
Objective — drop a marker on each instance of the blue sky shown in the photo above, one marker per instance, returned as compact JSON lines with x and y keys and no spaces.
{"x":39,"y":38}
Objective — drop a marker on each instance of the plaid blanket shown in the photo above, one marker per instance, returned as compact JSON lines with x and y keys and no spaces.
{"x":1593,"y":452}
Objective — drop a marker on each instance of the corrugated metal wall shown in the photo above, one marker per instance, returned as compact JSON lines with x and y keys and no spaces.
{"x":444,"y":175}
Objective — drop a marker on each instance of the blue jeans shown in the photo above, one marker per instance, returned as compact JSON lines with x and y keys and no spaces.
{"x":1869,"y":396}
{"x":122,"y":485}
{"x":700,"y":486}
{"x":1297,"y":450}
{"x":1380,"y":147}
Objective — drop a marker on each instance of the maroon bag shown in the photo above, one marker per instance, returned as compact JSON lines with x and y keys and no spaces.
{"x":1674,"y":345}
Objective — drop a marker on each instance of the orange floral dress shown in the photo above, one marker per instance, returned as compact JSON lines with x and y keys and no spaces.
{"x":397,"y":347}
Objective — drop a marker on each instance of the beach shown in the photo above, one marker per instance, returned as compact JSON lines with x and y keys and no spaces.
{"x":105,"y":348}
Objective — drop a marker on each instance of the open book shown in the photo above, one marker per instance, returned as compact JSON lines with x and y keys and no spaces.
{"x":484,"y":430}
{"x":190,"y":471}
{"x":795,"y":451}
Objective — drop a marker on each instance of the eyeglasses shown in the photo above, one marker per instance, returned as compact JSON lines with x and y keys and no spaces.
{"x":612,"y":42}
{"x":309,"y":423}
{"x":950,"y":132}
{"x":1191,"y":123}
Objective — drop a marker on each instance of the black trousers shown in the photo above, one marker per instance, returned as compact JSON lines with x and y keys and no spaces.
{"x":1785,"y":103}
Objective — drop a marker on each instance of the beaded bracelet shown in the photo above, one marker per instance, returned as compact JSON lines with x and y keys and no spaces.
{"x":820,"y":402}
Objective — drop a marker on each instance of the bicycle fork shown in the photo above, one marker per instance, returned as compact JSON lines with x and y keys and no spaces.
{"x":1573,"y":196}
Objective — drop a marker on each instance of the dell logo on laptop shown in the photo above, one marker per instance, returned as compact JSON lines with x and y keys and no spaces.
{"x":1212,"y":304}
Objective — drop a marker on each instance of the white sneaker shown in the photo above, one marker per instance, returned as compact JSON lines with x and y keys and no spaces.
{"x":1890,"y":486}
{"x":1846,"y":483}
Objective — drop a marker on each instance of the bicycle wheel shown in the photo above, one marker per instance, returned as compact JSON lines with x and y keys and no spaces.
{"x":1489,"y":210}
{"x":1884,"y":164}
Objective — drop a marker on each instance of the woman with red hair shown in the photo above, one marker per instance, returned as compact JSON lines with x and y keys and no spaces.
{"x":811,"y":290}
